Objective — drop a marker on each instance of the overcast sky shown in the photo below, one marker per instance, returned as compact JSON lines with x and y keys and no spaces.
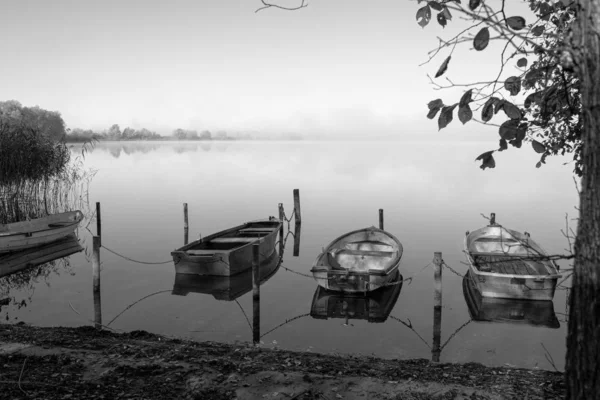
{"x":336,"y":67}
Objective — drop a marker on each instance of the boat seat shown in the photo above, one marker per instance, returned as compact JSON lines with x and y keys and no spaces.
{"x":200,"y":252}
{"x":373,"y":253}
{"x":233,"y":240}
{"x":246,"y":230}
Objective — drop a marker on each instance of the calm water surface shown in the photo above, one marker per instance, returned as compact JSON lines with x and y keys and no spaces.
{"x":431,"y":194}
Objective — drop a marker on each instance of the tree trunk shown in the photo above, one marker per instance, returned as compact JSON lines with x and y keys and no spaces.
{"x":583,"y":340}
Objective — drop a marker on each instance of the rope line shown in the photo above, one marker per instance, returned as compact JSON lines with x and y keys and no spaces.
{"x":285,"y":322}
{"x":451,"y":269}
{"x":135,"y":261}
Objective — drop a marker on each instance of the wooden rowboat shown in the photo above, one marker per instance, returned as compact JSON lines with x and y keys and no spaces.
{"x":37,"y":232}
{"x":509,"y":264}
{"x":511,"y":311}
{"x":359,"y":261}
{"x":20,"y":260}
{"x":375,"y":307}
{"x":228,"y":252}
{"x":226,"y":288}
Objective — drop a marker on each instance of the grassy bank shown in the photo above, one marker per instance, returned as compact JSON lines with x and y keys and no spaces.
{"x":74,"y":363}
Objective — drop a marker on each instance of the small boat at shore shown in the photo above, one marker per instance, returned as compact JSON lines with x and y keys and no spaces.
{"x":20,"y":260}
{"x":375,"y":307}
{"x":37,"y":232}
{"x":359,"y":261}
{"x":509,"y":264}
{"x":226,"y":288}
{"x":228,"y":252}
{"x":510,"y":311}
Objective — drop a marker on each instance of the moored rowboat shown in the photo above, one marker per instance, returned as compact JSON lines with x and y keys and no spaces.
{"x":228,"y":252}
{"x":37,"y":232}
{"x":509,"y":264}
{"x":359,"y":261}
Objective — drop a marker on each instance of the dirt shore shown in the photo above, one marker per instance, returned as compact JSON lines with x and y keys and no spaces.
{"x":84,"y":363}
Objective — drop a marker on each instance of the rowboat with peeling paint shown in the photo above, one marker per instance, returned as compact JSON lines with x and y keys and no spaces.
{"x":359,"y":261}
{"x":38,"y":232}
{"x":509,"y":264}
{"x":228,"y":252}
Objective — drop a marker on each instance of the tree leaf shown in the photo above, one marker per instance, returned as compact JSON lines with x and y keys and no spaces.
{"x":545,"y":11}
{"x":488,"y":110}
{"x":435,"y":5}
{"x":447,"y":14}
{"x":508,"y":130}
{"x":466,"y":98}
{"x":516,"y":23}
{"x":443,"y":67}
{"x":487,"y":160}
{"x":424,"y":16}
{"x":465,"y":114}
{"x":503,"y":145}
{"x":481,"y":39}
{"x":445,"y":116}
{"x":538,"y":30}
{"x":511,"y":110}
{"x":538,"y":147}
{"x":437,"y":103}
{"x":533,"y":98}
{"x":513,"y":85}
{"x":473,"y":4}
{"x":522,"y":62}
{"x":520,"y":135}
{"x":441,"y":19}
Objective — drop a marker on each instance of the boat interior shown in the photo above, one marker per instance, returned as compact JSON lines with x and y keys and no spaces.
{"x":235,"y":238}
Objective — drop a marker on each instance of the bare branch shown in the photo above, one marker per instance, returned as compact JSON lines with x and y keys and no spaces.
{"x":269,"y":5}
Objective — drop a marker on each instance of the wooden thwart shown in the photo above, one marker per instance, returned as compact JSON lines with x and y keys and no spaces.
{"x":233,"y":240}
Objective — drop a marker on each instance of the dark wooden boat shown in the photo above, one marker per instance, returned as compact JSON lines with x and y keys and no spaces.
{"x":37,"y":232}
{"x":20,"y":260}
{"x":509,"y":264}
{"x":358,"y":261}
{"x":228,"y":252}
{"x":375,"y":307}
{"x":226,"y":288}
{"x":522,"y":312}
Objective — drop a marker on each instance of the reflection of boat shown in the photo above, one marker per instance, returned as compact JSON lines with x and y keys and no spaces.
{"x":39,"y":231}
{"x":225,"y":287}
{"x":509,"y":264}
{"x":374,"y":307}
{"x":228,"y":252}
{"x":359,"y":261}
{"x":17,"y":261}
{"x":527,"y":312}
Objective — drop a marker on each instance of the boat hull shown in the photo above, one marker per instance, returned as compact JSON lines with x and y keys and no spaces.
{"x":513,"y":287}
{"x":225,"y":261}
{"x":38,"y":232}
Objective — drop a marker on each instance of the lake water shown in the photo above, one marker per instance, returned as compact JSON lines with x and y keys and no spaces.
{"x":431,"y":194}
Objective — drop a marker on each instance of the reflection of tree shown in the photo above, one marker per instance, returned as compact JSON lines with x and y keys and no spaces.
{"x":128,"y":148}
{"x":26,"y":280}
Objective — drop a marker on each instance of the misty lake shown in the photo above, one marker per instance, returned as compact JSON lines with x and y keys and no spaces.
{"x":431,"y":193}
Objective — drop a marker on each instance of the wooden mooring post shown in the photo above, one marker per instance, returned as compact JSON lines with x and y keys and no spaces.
{"x":96,"y":281}
{"x":281,"y":218}
{"x":381,"y":218}
{"x":297,"y":240}
{"x":437,"y":306}
{"x":255,"y":293}
{"x":186,"y":230}
{"x":98,"y":222}
{"x":297,"y":216}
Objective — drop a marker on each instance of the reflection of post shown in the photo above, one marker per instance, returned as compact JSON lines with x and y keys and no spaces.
{"x":297,"y":216}
{"x":255,"y":293}
{"x":437,"y":306}
{"x":96,"y":281}
{"x":381,"y":218}
{"x":185,"y":224}
{"x":297,"y":240}
{"x":98,"y":221}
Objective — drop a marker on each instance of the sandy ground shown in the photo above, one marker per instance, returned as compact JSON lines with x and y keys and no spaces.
{"x":85,"y":363}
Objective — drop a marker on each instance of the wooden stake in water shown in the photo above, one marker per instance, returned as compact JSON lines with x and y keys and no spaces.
{"x":381,"y":218}
{"x":297,"y":216}
{"x":437,"y":306}
{"x":297,"y":240}
{"x":255,"y":293}
{"x":98,"y":222}
{"x":281,"y":218}
{"x":185,"y":224}
{"x":96,"y":281}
